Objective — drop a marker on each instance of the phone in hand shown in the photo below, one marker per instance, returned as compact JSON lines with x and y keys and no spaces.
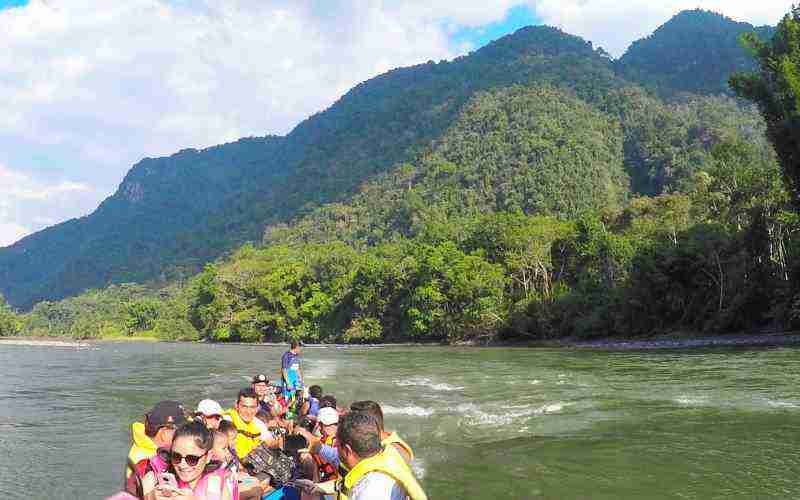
{"x":166,"y":480}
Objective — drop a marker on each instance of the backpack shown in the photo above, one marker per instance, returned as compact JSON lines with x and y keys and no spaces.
{"x":275,"y":463}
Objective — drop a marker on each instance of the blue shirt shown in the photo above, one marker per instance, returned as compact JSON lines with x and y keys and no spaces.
{"x":329,"y":454}
{"x":313,"y":406}
{"x":291,"y":363}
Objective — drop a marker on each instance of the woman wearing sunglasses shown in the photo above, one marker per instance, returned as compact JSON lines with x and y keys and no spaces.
{"x":192,"y":475}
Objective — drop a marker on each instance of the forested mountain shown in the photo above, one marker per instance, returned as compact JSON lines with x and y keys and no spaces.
{"x":535,"y":123}
{"x":695,"y":52}
{"x":170,"y":215}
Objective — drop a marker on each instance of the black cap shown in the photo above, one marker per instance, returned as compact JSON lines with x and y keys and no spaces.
{"x":260,"y":378}
{"x":166,"y":413}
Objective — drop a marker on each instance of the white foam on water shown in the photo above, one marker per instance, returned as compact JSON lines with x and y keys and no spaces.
{"x":413,"y":411}
{"x":782,"y":404}
{"x":476,"y":415}
{"x":690,"y":401}
{"x":426,"y":382}
{"x":535,"y":382}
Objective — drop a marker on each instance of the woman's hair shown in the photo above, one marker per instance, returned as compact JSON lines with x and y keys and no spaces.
{"x":226,"y":426}
{"x":327,"y":401}
{"x":203,"y":438}
{"x":315,"y":391}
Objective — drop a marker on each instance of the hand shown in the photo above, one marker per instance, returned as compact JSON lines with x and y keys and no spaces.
{"x":164,"y":492}
{"x":309,"y":487}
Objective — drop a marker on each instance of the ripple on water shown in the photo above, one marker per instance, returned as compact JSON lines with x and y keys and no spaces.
{"x":413,"y":411}
{"x":475,"y":415}
{"x":426,"y":382}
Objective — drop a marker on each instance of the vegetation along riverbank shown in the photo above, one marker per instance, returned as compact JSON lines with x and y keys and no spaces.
{"x":535,"y":189}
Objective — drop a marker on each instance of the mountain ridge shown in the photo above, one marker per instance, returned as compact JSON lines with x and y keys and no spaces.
{"x":170,"y":215}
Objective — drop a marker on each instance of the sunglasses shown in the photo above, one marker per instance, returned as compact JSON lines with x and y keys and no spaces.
{"x":191,"y":460}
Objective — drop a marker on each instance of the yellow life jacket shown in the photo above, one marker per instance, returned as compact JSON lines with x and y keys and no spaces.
{"x":394,"y":439}
{"x":388,"y":462}
{"x":141,"y":447}
{"x":248,"y":435}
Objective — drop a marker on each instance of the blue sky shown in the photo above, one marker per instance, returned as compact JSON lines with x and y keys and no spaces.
{"x":5,"y":4}
{"x":90,"y":87}
{"x":517,"y":17}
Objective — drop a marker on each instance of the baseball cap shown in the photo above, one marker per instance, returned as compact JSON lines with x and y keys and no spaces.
{"x":166,"y":413}
{"x":208,"y":407}
{"x":258,"y":379}
{"x":328,"y":416}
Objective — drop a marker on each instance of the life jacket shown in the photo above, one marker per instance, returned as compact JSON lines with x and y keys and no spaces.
{"x":394,"y":439}
{"x":388,"y":462}
{"x":327,"y":472}
{"x":142,"y":447}
{"x":248,"y":435}
{"x":157,"y":464}
{"x":212,"y":485}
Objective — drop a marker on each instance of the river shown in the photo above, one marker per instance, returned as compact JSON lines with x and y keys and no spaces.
{"x":485,"y":423}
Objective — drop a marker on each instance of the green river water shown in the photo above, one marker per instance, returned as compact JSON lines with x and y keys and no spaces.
{"x":485,"y":423}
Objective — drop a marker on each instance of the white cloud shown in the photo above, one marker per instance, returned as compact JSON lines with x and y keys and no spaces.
{"x":91,"y":86}
{"x":21,"y":193}
{"x":614,"y":25}
{"x":11,"y":232}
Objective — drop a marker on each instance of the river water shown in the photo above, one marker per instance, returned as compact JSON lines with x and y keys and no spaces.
{"x":485,"y":423}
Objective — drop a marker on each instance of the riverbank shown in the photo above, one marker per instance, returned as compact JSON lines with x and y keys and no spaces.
{"x":42,"y":342}
{"x":667,"y":341}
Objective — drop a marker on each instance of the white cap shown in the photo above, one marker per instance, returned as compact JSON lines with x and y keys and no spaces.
{"x":328,"y":416}
{"x":208,"y":407}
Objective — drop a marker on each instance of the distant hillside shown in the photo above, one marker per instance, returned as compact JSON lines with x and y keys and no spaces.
{"x":696,"y":52}
{"x":172,"y":215}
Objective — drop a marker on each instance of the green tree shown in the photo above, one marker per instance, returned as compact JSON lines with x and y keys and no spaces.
{"x":9,"y":320}
{"x":775,"y":88}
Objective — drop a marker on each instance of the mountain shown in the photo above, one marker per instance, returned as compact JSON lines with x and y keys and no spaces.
{"x":172,"y":215}
{"x":694,"y":52}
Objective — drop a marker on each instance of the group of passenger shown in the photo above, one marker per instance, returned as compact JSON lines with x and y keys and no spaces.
{"x":205,"y":455}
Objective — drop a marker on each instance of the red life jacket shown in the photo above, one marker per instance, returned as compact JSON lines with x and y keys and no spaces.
{"x":326,"y":471}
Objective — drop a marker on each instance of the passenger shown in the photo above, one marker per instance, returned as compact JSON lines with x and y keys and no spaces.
{"x":290,"y":370}
{"x":324,"y":449}
{"x":329,"y":401}
{"x":156,"y":432}
{"x":221,"y":451}
{"x":311,"y":407}
{"x":229,"y":429}
{"x":387,"y":438}
{"x":266,"y":396}
{"x":374,"y":473}
{"x":243,"y":417}
{"x":197,"y":478}
{"x":264,"y":420}
{"x":210,"y":413}
{"x":249,"y":487}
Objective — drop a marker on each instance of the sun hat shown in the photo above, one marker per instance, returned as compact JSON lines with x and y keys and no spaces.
{"x":208,"y":407}
{"x":328,"y":416}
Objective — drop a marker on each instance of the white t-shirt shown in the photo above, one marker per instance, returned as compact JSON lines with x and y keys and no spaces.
{"x":377,"y":486}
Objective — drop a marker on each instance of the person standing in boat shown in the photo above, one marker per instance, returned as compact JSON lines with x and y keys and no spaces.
{"x":290,"y":370}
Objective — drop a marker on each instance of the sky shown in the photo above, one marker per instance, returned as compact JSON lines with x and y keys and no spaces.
{"x":90,"y":87}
